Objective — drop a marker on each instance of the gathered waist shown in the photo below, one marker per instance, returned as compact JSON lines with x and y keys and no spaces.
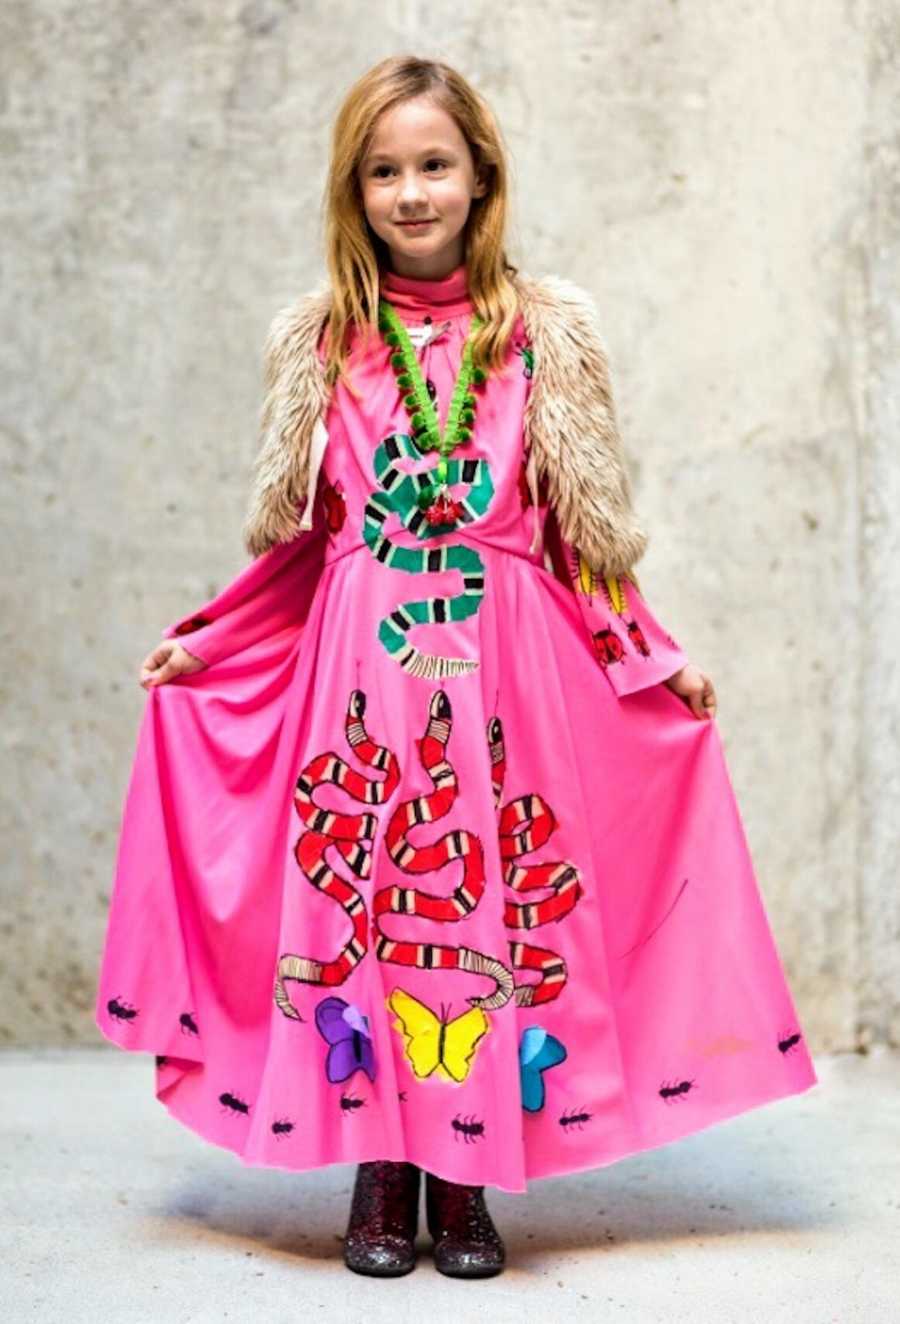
{"x":454,"y":539}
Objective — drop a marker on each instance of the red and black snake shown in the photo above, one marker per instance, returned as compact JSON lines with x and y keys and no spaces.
{"x":525,"y":824}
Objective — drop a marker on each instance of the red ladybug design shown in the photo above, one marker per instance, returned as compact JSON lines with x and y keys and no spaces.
{"x":608,"y":647}
{"x":636,"y":635}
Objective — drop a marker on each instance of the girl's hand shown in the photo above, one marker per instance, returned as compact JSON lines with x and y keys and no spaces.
{"x":696,"y":688}
{"x":167,"y":661}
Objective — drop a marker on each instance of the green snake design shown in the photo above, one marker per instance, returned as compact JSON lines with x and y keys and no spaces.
{"x":399,"y":493}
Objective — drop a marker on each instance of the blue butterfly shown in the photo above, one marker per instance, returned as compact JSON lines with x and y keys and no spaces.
{"x":538,"y":1050}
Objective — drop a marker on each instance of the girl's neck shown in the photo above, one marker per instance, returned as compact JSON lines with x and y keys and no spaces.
{"x":449,"y":294}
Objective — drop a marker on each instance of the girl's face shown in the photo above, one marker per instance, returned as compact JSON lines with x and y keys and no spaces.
{"x":419,"y":168}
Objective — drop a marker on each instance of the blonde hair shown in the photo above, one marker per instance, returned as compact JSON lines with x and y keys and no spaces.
{"x":356,"y":256}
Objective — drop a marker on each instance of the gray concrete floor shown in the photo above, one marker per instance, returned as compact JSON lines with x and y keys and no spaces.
{"x":114,"y":1212}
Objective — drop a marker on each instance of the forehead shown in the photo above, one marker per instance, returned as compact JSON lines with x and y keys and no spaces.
{"x":412,"y":127}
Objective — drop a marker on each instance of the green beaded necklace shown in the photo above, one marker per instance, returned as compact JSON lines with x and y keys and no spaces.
{"x":434,"y":499}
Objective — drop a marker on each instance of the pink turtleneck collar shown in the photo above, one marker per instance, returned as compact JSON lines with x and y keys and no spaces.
{"x":445,"y":297}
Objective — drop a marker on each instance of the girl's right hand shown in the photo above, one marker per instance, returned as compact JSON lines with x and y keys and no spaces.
{"x":694,"y":688}
{"x":167,"y":660}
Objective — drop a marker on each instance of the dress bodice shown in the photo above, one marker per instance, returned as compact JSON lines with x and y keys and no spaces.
{"x":505,"y":510}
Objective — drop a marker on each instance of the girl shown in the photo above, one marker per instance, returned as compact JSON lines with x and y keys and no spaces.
{"x":430,"y":859}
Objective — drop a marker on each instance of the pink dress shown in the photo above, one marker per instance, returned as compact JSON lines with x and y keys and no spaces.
{"x":428,"y":864}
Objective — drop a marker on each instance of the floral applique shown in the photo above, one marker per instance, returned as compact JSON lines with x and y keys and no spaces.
{"x":335,"y":506}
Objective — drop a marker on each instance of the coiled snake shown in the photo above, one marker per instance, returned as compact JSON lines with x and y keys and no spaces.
{"x":400,"y":492}
{"x":351,"y":833}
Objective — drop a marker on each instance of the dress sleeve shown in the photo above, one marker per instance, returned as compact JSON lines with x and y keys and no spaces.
{"x":271,"y":594}
{"x":629,"y":643}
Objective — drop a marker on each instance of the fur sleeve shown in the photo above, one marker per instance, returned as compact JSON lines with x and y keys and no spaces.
{"x":571,"y":416}
{"x":294,"y":398}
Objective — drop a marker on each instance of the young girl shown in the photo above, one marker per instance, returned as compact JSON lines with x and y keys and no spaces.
{"x":430,"y":859}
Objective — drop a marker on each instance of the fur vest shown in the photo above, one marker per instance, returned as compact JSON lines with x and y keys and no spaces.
{"x":570,"y":430}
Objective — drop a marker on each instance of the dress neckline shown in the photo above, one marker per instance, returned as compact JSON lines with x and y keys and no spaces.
{"x":447,"y":296}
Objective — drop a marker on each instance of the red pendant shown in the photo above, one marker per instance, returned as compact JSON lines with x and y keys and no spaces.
{"x":443,"y":511}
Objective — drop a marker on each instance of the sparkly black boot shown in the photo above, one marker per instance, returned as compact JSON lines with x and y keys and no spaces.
{"x":466,"y":1243}
{"x":384,"y":1218}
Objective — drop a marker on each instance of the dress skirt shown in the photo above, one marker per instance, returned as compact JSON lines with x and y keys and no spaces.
{"x":501,"y":923}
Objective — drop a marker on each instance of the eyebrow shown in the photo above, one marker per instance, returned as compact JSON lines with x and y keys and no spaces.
{"x":428,"y":151}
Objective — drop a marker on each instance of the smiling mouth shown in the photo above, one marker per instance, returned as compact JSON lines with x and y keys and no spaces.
{"x":414,"y":225}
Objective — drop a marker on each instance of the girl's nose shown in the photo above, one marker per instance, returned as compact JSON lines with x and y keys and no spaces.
{"x":411,"y":190}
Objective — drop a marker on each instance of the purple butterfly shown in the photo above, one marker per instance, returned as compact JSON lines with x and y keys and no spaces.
{"x":343,"y":1025}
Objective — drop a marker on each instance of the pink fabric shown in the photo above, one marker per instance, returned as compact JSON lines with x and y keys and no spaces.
{"x":560,"y":760}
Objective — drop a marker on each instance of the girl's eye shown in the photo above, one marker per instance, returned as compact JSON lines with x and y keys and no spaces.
{"x":434,"y":160}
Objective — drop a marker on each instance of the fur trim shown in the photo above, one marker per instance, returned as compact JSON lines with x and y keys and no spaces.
{"x":295,"y":396}
{"x":569,"y":423}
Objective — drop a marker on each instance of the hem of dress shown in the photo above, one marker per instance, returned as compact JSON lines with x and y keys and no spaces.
{"x":648,"y":1144}
{"x":629,"y":1150}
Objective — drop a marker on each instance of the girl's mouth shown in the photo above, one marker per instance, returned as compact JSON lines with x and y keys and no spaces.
{"x":414,"y":225}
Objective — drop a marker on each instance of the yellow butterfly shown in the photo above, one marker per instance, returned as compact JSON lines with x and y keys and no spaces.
{"x":436,"y":1044}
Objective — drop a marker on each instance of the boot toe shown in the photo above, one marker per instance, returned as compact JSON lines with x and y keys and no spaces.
{"x":466,"y":1242}
{"x":384,"y":1256}
{"x":461,"y":1259}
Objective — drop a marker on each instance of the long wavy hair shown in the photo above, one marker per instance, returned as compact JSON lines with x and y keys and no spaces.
{"x":356,"y":256}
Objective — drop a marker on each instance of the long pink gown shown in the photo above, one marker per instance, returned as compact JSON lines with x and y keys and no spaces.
{"x":428,"y":863}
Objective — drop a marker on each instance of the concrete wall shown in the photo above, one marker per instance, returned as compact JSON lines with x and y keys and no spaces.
{"x":722,"y":175}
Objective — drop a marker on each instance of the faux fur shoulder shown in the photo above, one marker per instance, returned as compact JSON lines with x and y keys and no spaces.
{"x":295,"y":395}
{"x":570,"y":420}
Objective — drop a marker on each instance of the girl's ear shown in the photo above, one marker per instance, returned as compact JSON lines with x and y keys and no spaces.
{"x":480,"y":187}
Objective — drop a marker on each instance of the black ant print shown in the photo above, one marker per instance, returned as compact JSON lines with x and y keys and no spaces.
{"x":575,"y":1119}
{"x":671,"y":1093}
{"x":468,"y":1128}
{"x":123,"y":1011}
{"x":401,"y":1095}
{"x":187,"y":1023}
{"x":282,"y":1128}
{"x":161,"y":1060}
{"x":432,"y":389}
{"x":351,"y":1101}
{"x":788,"y":1041}
{"x":235,"y":1104}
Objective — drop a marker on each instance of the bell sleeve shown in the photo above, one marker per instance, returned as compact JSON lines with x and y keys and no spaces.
{"x":628,"y":642}
{"x":271,"y":595}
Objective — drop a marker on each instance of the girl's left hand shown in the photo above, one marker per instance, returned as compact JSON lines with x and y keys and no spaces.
{"x":696,"y":688}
